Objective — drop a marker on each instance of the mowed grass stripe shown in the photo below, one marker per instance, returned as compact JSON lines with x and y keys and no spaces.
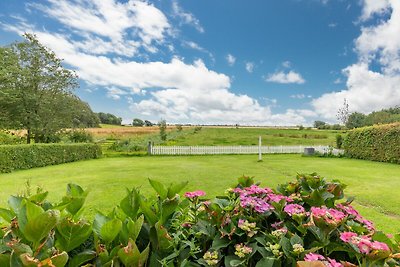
{"x":375,"y":185}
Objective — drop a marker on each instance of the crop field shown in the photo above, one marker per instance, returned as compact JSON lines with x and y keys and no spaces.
{"x":374,"y":185}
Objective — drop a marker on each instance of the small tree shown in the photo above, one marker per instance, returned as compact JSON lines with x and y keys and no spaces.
{"x":356,"y":120}
{"x":179,"y":127}
{"x":137,"y":122}
{"x":148,"y":123}
{"x":343,"y":112}
{"x":162,"y":125}
{"x":319,"y":124}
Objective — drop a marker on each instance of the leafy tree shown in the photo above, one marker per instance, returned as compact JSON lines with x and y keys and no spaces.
{"x":162,"y":125}
{"x":356,"y":120}
{"x":33,"y":89}
{"x":319,"y":124}
{"x":148,"y":123}
{"x":108,"y":118}
{"x":137,"y":122}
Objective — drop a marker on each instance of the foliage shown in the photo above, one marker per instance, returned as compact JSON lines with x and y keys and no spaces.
{"x":339,"y":141}
{"x":383,"y":116}
{"x":35,"y":90}
{"x":80,"y":136}
{"x":179,"y":127}
{"x":249,"y":226}
{"x":379,"y":143}
{"x":17,"y":157}
{"x":148,"y":123}
{"x":319,"y":124}
{"x":162,"y":125}
{"x":9,"y":138}
{"x":108,"y":118}
{"x":137,"y":122}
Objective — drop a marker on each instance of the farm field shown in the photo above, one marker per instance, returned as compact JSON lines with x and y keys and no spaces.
{"x":210,"y":136}
{"x":373,"y":184}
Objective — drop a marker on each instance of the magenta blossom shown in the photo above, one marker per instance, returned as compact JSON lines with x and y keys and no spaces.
{"x":330,"y":216}
{"x":195,"y":194}
{"x":333,"y":263}
{"x":347,"y":236}
{"x":313,"y":257}
{"x":293,"y":209}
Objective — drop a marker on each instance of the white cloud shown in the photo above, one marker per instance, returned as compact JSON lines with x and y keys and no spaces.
{"x":332,"y":25}
{"x":286,"y":64}
{"x":369,"y":90}
{"x":249,"y":67}
{"x":282,"y":77}
{"x":337,"y":81}
{"x":112,"y":23}
{"x":186,"y":17}
{"x":230,"y":59}
{"x":195,"y":46}
{"x":300,"y":96}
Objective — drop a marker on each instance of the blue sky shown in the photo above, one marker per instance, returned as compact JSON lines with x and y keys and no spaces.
{"x":276,"y":62}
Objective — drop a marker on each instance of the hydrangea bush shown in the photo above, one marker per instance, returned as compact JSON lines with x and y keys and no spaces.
{"x":301,"y":223}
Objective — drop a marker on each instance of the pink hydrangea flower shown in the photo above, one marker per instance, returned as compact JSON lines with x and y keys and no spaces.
{"x":313,"y":257}
{"x":195,"y":194}
{"x":292,"y":209}
{"x":379,"y":246}
{"x":330,"y":216}
{"x":347,"y":236}
{"x":364,"y":245}
{"x":333,"y":263}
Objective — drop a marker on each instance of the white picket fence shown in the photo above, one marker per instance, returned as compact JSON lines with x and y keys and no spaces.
{"x":218,"y":150}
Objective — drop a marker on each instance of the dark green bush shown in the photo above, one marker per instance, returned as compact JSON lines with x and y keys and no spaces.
{"x":339,"y":141}
{"x":16,"y":157}
{"x":378,"y":143}
{"x":80,"y":136}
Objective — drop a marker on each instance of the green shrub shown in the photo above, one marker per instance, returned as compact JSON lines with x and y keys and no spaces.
{"x":250,"y":226}
{"x":339,"y":141}
{"x":9,"y":138}
{"x":378,"y":143}
{"x":16,"y":157}
{"x":80,"y":136}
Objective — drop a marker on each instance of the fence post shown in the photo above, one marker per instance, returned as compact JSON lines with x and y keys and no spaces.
{"x":149,"y":146}
{"x":259,"y":149}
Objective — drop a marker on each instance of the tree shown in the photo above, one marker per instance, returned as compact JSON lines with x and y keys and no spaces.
{"x":356,"y":120}
{"x":162,"y":125}
{"x":148,"y":123}
{"x":319,"y":124}
{"x":343,"y":112}
{"x":108,"y":118}
{"x":137,"y":122}
{"x":33,"y":89}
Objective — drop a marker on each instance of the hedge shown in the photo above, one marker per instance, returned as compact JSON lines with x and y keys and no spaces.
{"x":17,"y":157}
{"x":378,"y":143}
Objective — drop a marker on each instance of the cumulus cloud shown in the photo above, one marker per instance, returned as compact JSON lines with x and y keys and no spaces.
{"x":230,"y":59}
{"x":249,"y":67}
{"x":285,"y":77}
{"x":300,"y":96}
{"x":368,"y":90}
{"x":186,"y":17}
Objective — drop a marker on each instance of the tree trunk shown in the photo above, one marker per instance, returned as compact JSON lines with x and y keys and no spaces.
{"x":28,"y":137}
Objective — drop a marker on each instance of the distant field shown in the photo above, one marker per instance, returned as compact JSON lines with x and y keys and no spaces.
{"x":375,"y":185}
{"x":210,"y":136}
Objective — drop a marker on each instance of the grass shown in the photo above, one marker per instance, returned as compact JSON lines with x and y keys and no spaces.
{"x":375,"y":185}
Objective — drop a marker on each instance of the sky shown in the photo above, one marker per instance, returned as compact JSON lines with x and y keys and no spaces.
{"x":257,"y":62}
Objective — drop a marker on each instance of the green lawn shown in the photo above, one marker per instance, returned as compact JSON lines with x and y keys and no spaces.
{"x":375,"y":185}
{"x":249,"y":136}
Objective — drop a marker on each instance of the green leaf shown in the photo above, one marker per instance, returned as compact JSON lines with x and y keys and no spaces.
{"x":168,"y":207}
{"x":7,"y":215}
{"x":266,"y":262}
{"x":38,"y":228}
{"x":110,"y":230}
{"x":81,"y":258}
{"x":151,"y":217}
{"x":175,"y":188}
{"x":75,"y":198}
{"x":32,"y":210}
{"x":130,"y":254}
{"x":15,"y":203}
{"x":28,"y":261}
{"x":60,"y":260}
{"x":38,"y":198}
{"x":162,"y":236}
{"x":71,"y":234}
{"x":159,"y":188}
{"x":219,"y":243}
{"x":286,"y":246}
{"x":296,"y":240}
{"x":5,"y":260}
{"x":131,"y":203}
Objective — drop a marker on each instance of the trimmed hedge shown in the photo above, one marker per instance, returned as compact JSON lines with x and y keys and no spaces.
{"x":378,"y":143}
{"x":17,"y":157}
